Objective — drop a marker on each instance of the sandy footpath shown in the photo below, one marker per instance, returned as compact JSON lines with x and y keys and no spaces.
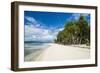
{"x":61,"y":52}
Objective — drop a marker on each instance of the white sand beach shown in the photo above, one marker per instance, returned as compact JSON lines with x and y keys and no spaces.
{"x":59,"y":52}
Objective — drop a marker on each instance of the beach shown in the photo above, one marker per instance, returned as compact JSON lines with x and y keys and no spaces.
{"x":59,"y":52}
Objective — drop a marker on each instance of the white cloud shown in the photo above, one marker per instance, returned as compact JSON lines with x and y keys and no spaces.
{"x":38,"y":33}
{"x":76,"y":16}
{"x":31,"y":19}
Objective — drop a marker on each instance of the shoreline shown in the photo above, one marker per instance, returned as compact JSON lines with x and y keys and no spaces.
{"x":60,"y":52}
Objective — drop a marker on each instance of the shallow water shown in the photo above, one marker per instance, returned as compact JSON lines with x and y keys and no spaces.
{"x":34,"y":47}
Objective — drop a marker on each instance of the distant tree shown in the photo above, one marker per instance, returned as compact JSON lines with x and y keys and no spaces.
{"x":75,"y":32}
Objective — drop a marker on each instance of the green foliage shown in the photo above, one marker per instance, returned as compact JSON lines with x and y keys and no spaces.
{"x":75,"y":32}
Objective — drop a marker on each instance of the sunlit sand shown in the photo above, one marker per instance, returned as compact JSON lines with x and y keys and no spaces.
{"x":59,"y":52}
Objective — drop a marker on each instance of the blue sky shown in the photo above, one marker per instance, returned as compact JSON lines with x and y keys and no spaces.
{"x":44,"y":26}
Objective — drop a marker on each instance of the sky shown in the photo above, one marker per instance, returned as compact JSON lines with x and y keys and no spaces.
{"x":44,"y":26}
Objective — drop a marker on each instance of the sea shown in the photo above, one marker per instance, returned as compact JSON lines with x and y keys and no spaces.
{"x":32,"y":47}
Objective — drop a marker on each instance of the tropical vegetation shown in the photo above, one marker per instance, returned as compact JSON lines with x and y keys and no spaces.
{"x":75,"y":32}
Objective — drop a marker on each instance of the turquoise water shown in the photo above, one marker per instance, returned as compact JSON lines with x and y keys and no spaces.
{"x":34,"y":47}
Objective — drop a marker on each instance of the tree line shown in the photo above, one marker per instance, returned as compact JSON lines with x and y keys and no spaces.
{"x":75,"y":32}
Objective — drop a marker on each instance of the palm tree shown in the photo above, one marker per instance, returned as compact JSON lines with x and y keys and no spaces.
{"x":75,"y":32}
